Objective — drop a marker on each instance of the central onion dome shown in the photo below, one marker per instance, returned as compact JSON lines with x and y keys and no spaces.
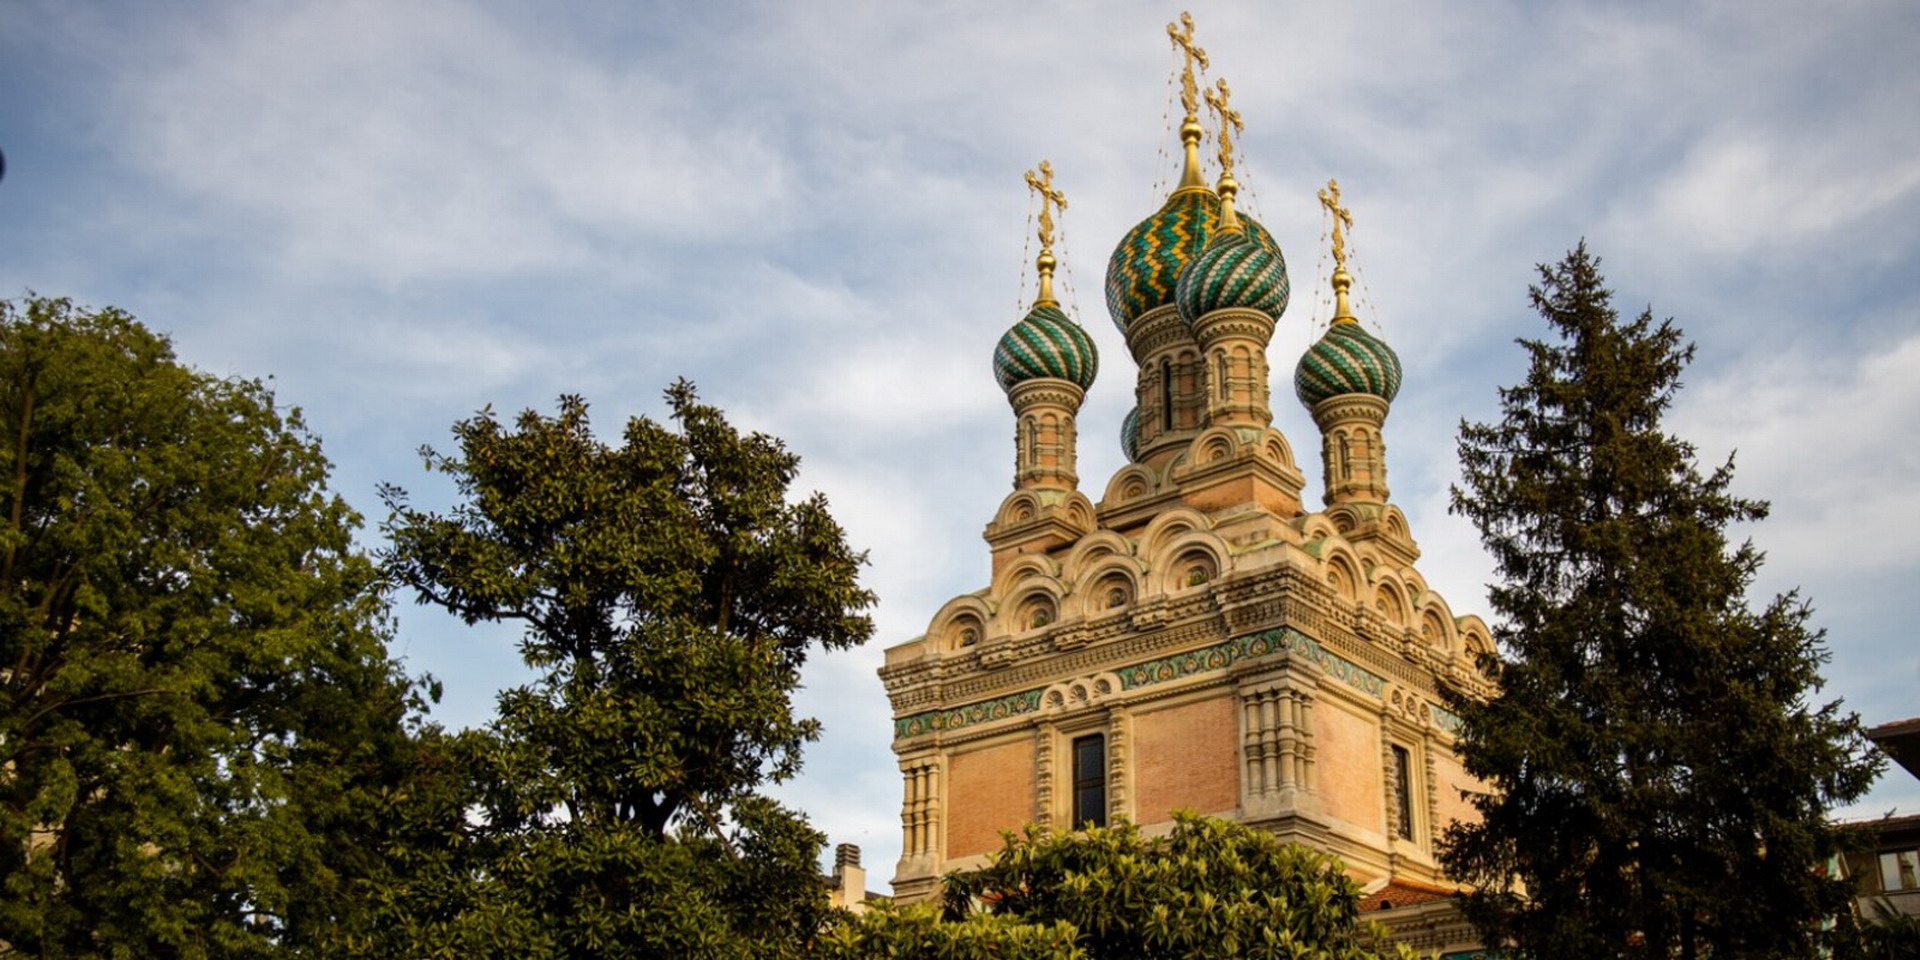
{"x":1145,"y":268}
{"x":1233,"y":271}
{"x":1045,"y":343}
{"x":1347,"y":359}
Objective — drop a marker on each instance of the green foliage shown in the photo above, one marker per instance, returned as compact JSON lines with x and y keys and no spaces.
{"x":1208,"y":889}
{"x":195,"y":700}
{"x":1659,"y":775}
{"x":1891,"y":935}
{"x":917,"y":932}
{"x":670,"y":595}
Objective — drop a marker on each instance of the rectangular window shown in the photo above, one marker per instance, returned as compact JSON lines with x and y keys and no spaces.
{"x":1090,"y":781}
{"x":1402,"y":793}
{"x":1900,"y":870}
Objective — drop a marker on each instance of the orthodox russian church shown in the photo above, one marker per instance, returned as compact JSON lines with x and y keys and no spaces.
{"x":1198,"y":637}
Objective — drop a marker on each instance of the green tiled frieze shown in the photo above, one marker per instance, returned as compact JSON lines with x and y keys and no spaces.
{"x":1221,"y":655}
{"x":1161,"y":670}
{"x":1444,"y":719}
{"x":999,"y":708}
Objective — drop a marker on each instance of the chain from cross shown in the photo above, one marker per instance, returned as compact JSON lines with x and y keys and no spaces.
{"x":1050,"y":198}
{"x":1189,"y":91}
{"x":1330,"y":198}
{"x":1230,"y":124}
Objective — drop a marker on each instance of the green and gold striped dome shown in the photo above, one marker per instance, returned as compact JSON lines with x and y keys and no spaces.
{"x":1045,"y":343}
{"x":1145,"y":268}
{"x":1347,"y":359}
{"x":1233,"y":271}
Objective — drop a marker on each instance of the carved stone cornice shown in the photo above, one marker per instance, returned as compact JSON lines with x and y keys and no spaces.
{"x":1046,"y":391}
{"x":1156,"y":330}
{"x":1349,"y":407}
{"x":1230,"y":322}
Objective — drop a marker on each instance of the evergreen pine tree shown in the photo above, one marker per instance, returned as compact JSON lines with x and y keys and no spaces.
{"x":1659,"y":770}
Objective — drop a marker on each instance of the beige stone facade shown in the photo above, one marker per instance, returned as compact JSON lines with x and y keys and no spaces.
{"x":1198,"y":637}
{"x":1239,"y":655}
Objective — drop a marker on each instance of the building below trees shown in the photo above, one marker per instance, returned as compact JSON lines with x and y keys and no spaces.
{"x":1889,"y":871}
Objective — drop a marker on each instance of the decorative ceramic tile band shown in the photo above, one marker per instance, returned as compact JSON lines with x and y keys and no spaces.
{"x":1000,"y":708}
{"x":1221,"y":655}
{"x":1204,"y":660}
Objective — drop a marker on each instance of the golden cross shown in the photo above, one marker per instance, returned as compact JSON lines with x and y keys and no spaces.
{"x":1049,"y":199}
{"x":1330,"y":198}
{"x":1189,"y":91}
{"x":1229,"y":124}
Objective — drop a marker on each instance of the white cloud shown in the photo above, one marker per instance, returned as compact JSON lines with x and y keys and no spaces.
{"x":1825,"y":440}
{"x":431,"y":139}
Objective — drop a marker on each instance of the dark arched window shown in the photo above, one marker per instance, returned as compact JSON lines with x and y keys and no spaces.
{"x":1090,"y":781}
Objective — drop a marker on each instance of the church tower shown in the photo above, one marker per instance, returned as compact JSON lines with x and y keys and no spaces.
{"x":1198,"y":638}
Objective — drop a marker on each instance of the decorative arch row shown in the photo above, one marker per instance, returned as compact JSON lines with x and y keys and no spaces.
{"x":1137,"y":480}
{"x":1103,"y":574}
{"x":1396,"y":594}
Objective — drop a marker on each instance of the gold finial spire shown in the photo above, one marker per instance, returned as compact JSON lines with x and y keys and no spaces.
{"x":1190,"y":129}
{"x":1230,"y":124}
{"x":1342,"y":280}
{"x":1050,"y":197}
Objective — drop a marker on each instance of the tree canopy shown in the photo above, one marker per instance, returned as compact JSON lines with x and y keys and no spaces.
{"x":1660,"y":769}
{"x":1208,"y":889}
{"x":670,"y":594}
{"x":195,"y":696}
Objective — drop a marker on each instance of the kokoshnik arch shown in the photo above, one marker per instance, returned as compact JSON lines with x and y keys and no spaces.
{"x":1198,"y":638}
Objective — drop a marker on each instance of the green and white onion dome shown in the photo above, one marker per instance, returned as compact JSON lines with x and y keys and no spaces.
{"x":1233,"y":271}
{"x":1145,"y":267}
{"x":1045,"y":343}
{"x":1347,"y":359}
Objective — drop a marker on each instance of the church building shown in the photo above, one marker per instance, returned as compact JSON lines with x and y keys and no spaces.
{"x":1193,"y":633}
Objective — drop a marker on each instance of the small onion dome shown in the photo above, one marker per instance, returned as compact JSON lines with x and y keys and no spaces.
{"x":1234,"y":271}
{"x":1347,"y":359}
{"x":1145,"y":267}
{"x":1045,"y":343}
{"x":1130,"y":434}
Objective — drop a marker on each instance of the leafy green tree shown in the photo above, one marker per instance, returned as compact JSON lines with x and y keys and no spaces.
{"x":670,"y":594}
{"x":1208,"y":889}
{"x":196,"y":704}
{"x":918,"y":932}
{"x":1660,"y":772}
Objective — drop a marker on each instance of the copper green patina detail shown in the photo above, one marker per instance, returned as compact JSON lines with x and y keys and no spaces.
{"x":1219,"y":656}
{"x":1347,"y":359}
{"x":1145,"y":268}
{"x":1045,"y":343}
{"x":1000,"y":708}
{"x":1234,"y":271}
{"x":1253,"y":646}
{"x":1130,"y":434}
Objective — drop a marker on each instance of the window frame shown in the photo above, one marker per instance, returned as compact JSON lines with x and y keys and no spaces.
{"x":1088,"y":784}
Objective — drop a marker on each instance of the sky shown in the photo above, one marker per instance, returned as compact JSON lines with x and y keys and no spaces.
{"x":402,"y":213}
